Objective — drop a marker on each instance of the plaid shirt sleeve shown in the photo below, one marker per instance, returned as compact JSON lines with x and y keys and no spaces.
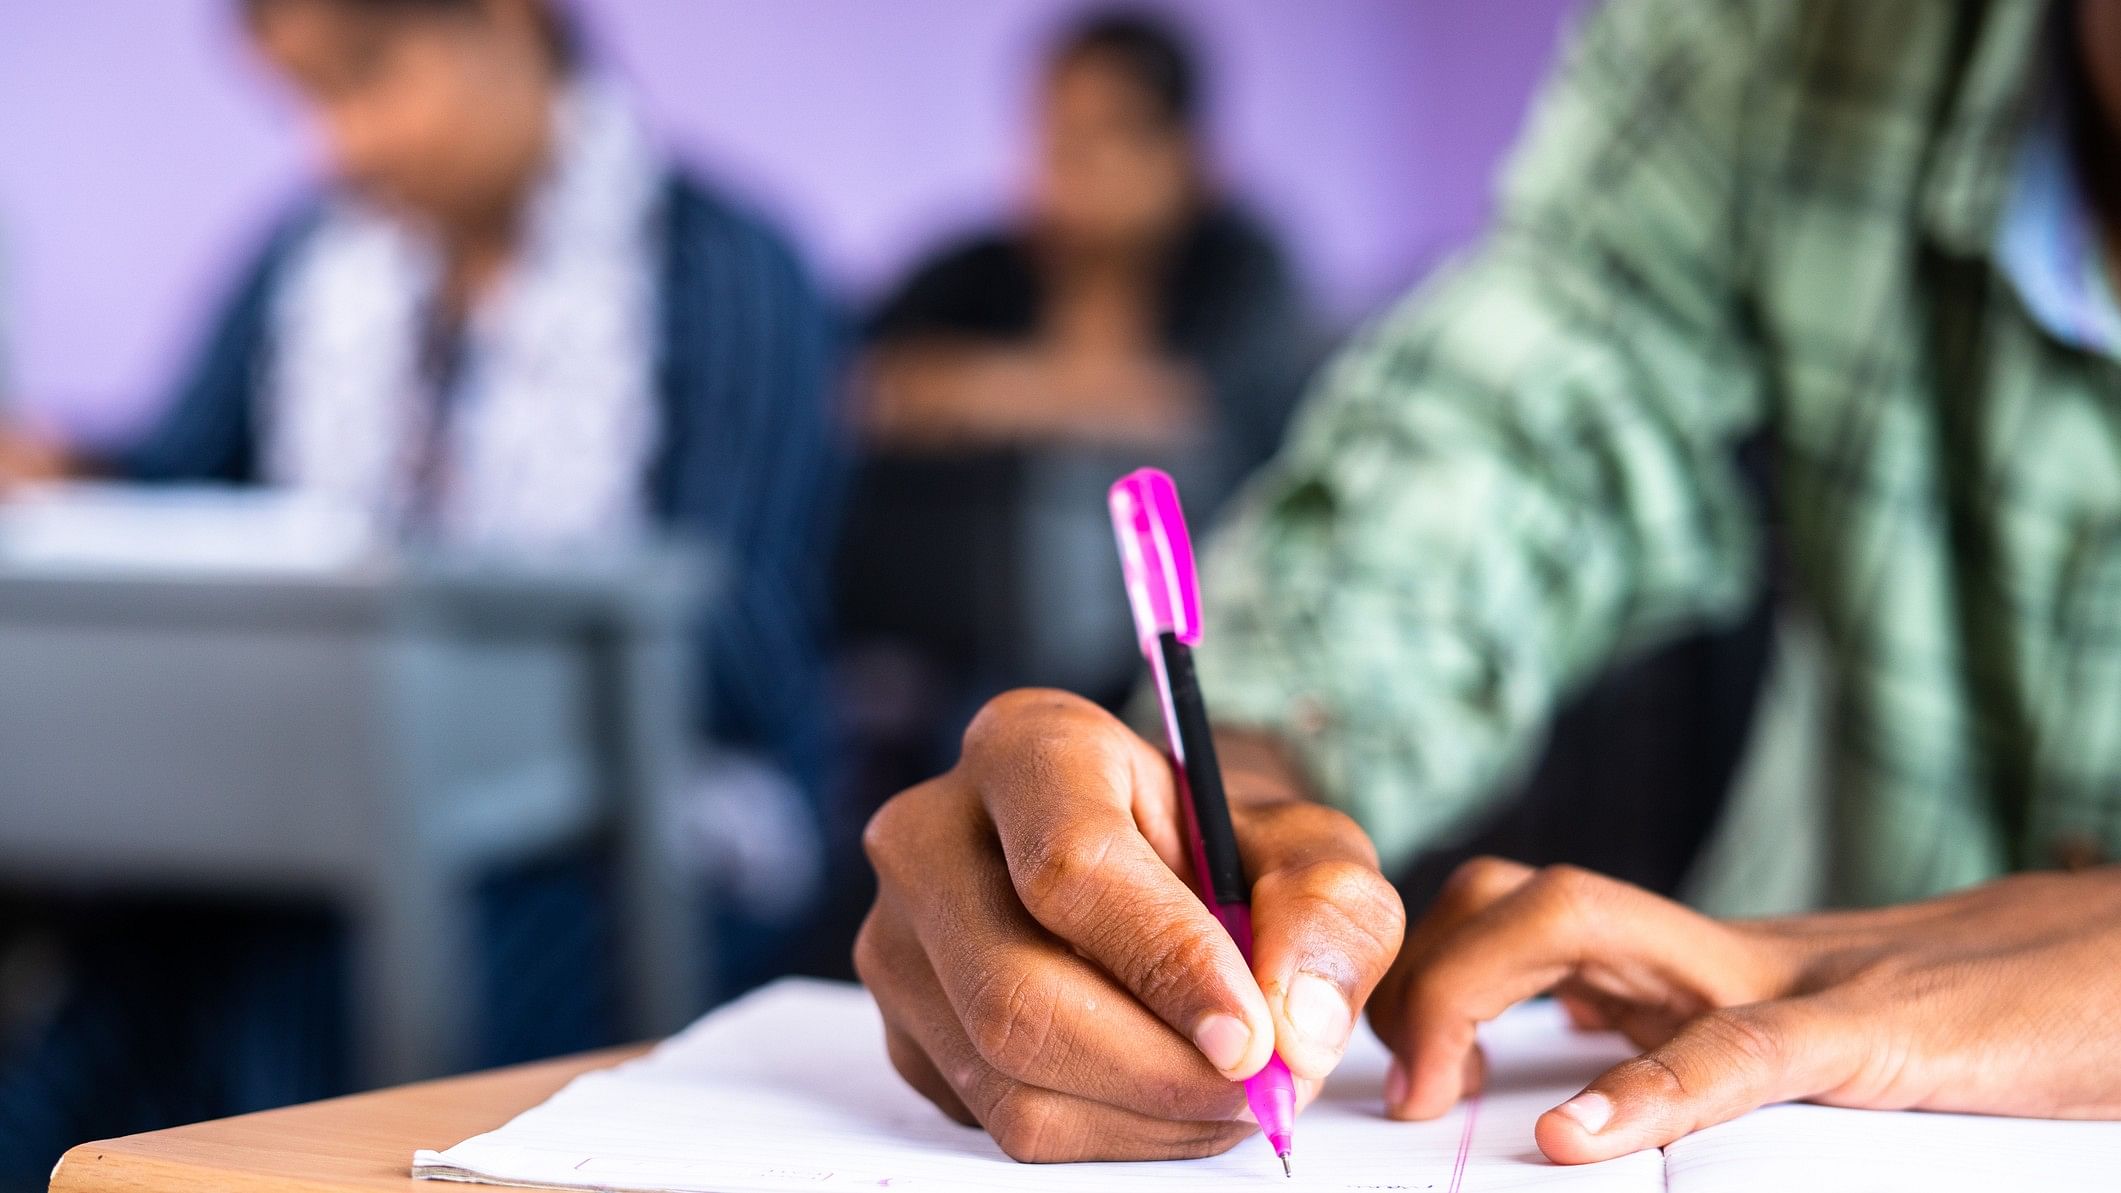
{"x":1528,"y":467}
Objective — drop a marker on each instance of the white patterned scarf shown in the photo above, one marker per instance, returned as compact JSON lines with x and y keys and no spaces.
{"x":551,"y":414}
{"x":551,"y":424}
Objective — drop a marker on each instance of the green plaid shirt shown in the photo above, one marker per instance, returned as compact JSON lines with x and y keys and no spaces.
{"x":1729,"y":220}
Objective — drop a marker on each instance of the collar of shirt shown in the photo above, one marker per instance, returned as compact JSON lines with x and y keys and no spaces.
{"x":2048,"y":245}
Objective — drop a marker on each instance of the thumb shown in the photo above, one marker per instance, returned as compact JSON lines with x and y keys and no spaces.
{"x":1717,"y":1067}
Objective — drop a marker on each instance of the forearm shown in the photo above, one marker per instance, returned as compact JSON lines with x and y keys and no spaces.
{"x":1138,"y":399}
{"x":30,"y":459}
{"x":1007,"y":395}
{"x":1525,"y":472}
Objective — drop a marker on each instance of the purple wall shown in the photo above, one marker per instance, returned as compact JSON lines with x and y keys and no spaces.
{"x":140,"y":149}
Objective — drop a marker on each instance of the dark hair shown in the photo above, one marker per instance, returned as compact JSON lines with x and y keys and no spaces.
{"x":556,"y":21}
{"x":1148,"y":51}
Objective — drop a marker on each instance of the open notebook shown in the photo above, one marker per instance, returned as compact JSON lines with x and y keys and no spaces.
{"x":789,"y":1089}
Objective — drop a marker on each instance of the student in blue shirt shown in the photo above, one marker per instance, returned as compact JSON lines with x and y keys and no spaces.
{"x":509,"y":320}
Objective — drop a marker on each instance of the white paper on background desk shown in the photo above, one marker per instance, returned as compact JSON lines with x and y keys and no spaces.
{"x":181,"y":529}
{"x":789,"y":1089}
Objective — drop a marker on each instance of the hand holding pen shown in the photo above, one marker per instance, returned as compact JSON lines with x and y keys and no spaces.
{"x":1045,"y":971}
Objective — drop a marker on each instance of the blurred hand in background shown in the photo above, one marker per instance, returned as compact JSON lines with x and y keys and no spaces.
{"x":29,"y":457}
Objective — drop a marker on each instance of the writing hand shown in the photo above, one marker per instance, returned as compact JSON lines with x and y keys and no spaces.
{"x":1044,"y":970}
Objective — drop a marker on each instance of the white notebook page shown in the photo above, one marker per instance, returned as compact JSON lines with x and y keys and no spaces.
{"x":789,"y":1089}
{"x":1823,"y":1149}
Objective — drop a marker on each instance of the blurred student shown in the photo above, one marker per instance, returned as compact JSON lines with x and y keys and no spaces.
{"x":510,"y":321}
{"x":1130,"y":311}
{"x":1131,"y":305}
{"x":1885,"y":237}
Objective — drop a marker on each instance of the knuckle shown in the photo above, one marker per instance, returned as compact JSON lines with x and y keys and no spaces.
{"x":1480,"y":881}
{"x":1225,"y":1137}
{"x":1880,"y":979}
{"x":1653,"y":1071}
{"x":905,"y":838}
{"x":1366,"y":897}
{"x":1029,"y":1124}
{"x":1166,"y":960}
{"x":1045,"y":755}
{"x":1318,"y":822}
{"x":1354,"y":902}
{"x":889,"y":827}
{"x":1060,"y":873}
{"x":1206,"y":1139}
{"x":1009,"y":1018}
{"x":1177,"y":1097}
{"x":1034,"y":744}
{"x":1743,"y":1037}
{"x":1572,"y":881}
{"x":868,"y":953}
{"x":1566,"y":890}
{"x":1005,"y":720}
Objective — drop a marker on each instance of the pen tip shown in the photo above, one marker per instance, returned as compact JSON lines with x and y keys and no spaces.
{"x":1285,"y":1164}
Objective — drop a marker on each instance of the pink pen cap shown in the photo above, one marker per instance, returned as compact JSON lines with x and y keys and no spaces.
{"x":1156,"y":558}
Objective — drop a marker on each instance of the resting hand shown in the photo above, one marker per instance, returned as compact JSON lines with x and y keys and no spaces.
{"x":2003,"y":999}
{"x":27,"y":459}
{"x":1044,"y":970}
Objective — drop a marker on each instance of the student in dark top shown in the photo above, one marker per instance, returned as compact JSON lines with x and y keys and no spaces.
{"x":1132,"y":306}
{"x":1130,"y":314}
{"x":509,"y":321}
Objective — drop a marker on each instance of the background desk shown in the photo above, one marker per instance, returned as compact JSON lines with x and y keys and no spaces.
{"x":364,"y":1142}
{"x":376,"y":738}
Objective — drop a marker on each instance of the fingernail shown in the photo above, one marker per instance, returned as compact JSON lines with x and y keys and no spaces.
{"x":1223,"y":1039}
{"x":1395,"y":1083}
{"x":1317,"y":1011}
{"x":1591,"y":1110}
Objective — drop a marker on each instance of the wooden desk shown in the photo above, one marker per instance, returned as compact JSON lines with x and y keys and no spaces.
{"x":358,"y":1143}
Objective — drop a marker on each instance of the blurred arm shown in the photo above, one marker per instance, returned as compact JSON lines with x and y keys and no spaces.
{"x":940,"y":392}
{"x":978,"y":349}
{"x":28,"y":457}
{"x":206,"y":427}
{"x":207,"y":430}
{"x":1528,"y":468}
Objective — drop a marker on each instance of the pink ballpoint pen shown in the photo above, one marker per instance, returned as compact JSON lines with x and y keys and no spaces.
{"x":1156,"y":556}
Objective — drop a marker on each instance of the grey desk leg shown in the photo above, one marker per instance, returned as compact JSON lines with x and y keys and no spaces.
{"x":415,"y":969}
{"x":665,"y":931}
